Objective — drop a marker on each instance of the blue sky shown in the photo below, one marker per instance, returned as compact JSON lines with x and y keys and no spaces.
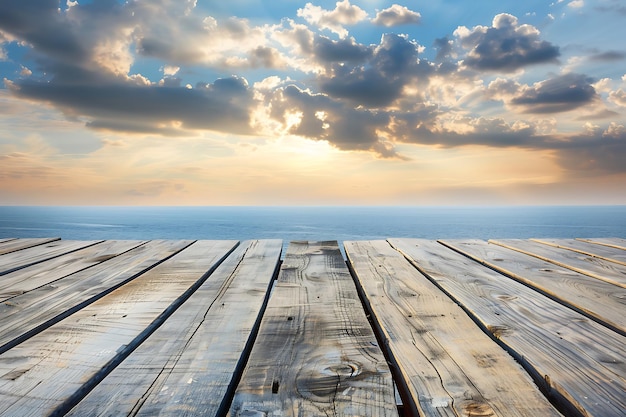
{"x":283,"y":102}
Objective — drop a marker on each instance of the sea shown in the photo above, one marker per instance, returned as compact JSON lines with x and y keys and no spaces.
{"x":312,"y":223}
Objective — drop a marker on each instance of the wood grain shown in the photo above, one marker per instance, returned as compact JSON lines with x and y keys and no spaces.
{"x":588,"y":265}
{"x":26,"y":257}
{"x":603,"y":252}
{"x":316,"y":353}
{"x":19,"y":244}
{"x":52,"y":371}
{"x":187,"y":365}
{"x":34,"y":276}
{"x":579,"y":363}
{"x":598,"y":300}
{"x":450,"y":366}
{"x":27,"y":314}
{"x":612,"y":242}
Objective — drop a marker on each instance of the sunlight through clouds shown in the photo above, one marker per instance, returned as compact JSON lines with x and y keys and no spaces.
{"x":146,"y":102}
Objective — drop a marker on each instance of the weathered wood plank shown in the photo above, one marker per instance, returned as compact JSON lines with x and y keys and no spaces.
{"x":187,"y":365}
{"x":29,"y":278}
{"x":587,"y":265}
{"x":19,"y":244}
{"x":55,"y":369}
{"x":612,"y":242}
{"x":31,"y":256}
{"x":7,"y":239}
{"x":603,"y":252}
{"x":596,"y":299}
{"x":316,"y":353}
{"x":449,"y":365}
{"x":578,"y":361}
{"x":28,"y":314}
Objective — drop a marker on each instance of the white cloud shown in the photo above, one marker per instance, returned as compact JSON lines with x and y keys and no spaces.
{"x":506,"y":46}
{"x":603,"y":85}
{"x":618,"y":97}
{"x":114,"y":55}
{"x":396,"y":15}
{"x":503,"y":89}
{"x":614,"y":131}
{"x":576,"y":4}
{"x":356,"y":95}
{"x":333,"y":20}
{"x":196,"y":39}
{"x":555,"y":95}
{"x":170,"y":70}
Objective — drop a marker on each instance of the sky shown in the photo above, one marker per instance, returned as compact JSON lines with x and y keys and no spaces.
{"x":445,"y":102}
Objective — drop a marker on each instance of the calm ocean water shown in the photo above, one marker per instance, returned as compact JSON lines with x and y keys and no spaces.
{"x":312,"y":223}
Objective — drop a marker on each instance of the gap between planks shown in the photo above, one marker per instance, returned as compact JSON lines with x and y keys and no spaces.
{"x":596,"y":299}
{"x":448,"y":365}
{"x":97,"y":338}
{"x":315,"y":353}
{"x":191,"y":364}
{"x":577,"y":361}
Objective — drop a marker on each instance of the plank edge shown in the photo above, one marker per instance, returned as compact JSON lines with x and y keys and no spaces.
{"x":559,"y":398}
{"x":533,"y":286}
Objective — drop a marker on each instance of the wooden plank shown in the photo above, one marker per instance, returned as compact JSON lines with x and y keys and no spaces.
{"x":188,"y":364}
{"x":450,"y":367}
{"x":19,"y":244}
{"x":587,"y":265}
{"x":32,"y":277}
{"x":26,"y":257}
{"x":28,"y":314}
{"x":7,"y":239}
{"x":316,"y":353}
{"x":51,"y":372}
{"x":603,"y":252}
{"x":596,"y":299}
{"x":612,"y":242}
{"x":579,"y":362}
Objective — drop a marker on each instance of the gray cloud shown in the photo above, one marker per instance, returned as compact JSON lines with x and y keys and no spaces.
{"x":104,"y":35}
{"x":67,"y":37}
{"x":396,"y":15}
{"x":602,"y":114}
{"x":366,"y":87}
{"x":224,"y":105}
{"x":343,"y":126}
{"x":84,"y":58}
{"x":361,"y":105}
{"x":343,"y":50}
{"x":393,"y":64}
{"x":608,"y":56}
{"x":505,"y":46}
{"x":37,"y":23}
{"x":594,"y":153}
{"x":266,"y":57}
{"x":350,"y":128}
{"x":173,"y":35}
{"x":612,"y":6}
{"x":443,"y":47}
{"x":558,"y":94}
{"x":488,"y":132}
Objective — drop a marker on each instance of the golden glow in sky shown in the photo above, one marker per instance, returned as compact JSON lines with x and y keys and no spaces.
{"x":329,"y":103}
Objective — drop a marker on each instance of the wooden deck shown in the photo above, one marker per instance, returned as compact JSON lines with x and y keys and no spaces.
{"x":402,"y":327}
